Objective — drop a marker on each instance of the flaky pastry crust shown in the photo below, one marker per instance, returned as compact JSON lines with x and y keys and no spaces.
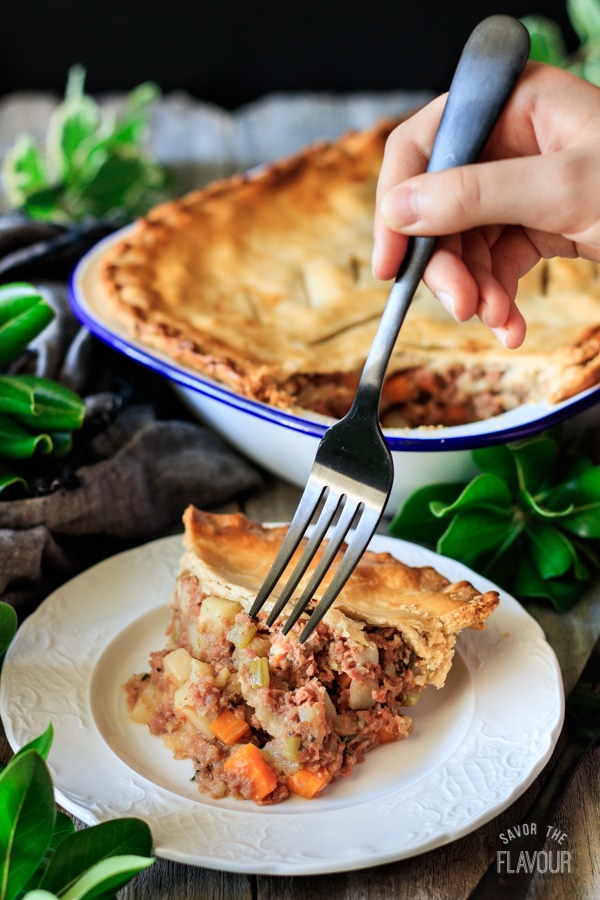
{"x":263,"y":283}
{"x":231,"y":555}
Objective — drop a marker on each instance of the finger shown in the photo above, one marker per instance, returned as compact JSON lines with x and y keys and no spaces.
{"x":513,"y":254}
{"x":460,"y":275}
{"x":407,"y":151}
{"x":512,"y":333}
{"x":543,"y":192}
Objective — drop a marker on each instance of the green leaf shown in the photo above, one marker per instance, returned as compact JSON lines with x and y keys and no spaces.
{"x":473,"y":534}
{"x":17,"y":443}
{"x":562,"y":593}
{"x":8,"y":625}
{"x":106,"y":877}
{"x":551,"y":551}
{"x":63,"y":827}
{"x":41,"y":744}
{"x":27,"y":816}
{"x":527,"y":502}
{"x":534,"y":460}
{"x":23,"y":170}
{"x":40,"y":403}
{"x":94,"y":163}
{"x":45,"y":206}
{"x":15,"y":298}
{"x":71,"y":124}
{"x":37,"y":894}
{"x":9,"y":479}
{"x":498,"y":460}
{"x":123,"y":837}
{"x":584,"y":495}
{"x":485,"y":491}
{"x":547,"y":43}
{"x":584,"y":16}
{"x":132,"y":123}
{"x":30,"y":317}
{"x":415,"y":521}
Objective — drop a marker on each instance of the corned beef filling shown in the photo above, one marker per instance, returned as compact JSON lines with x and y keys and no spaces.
{"x":262,"y":715}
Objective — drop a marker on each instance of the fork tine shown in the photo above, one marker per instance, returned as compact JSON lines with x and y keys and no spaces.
{"x":326,"y":516}
{"x":357,"y":545}
{"x":313,"y":493}
{"x":347,"y":516}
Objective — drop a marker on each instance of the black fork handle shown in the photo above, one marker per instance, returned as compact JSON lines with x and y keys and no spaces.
{"x":490,"y":65}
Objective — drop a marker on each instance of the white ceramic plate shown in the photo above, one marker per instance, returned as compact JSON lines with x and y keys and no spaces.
{"x":477,"y":744}
{"x":285,"y":442}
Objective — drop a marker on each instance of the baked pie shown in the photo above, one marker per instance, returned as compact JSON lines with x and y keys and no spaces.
{"x":263,"y":282}
{"x":262,"y":715}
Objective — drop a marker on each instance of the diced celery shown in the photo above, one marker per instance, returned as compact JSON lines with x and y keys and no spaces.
{"x":259,"y":675}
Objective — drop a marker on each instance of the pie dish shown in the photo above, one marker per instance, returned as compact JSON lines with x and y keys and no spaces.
{"x":263,"y":716}
{"x":262,"y":282}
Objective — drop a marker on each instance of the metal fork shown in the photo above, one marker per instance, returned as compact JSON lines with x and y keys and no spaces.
{"x":352,"y":474}
{"x":579,"y":735}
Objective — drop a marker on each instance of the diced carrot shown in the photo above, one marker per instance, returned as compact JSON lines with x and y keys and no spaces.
{"x":387,"y":737}
{"x":344,"y":680}
{"x":229,"y":728}
{"x":307,"y":783}
{"x":247,"y":764}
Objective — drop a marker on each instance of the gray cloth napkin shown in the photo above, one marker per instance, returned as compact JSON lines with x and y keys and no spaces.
{"x":141,"y":460}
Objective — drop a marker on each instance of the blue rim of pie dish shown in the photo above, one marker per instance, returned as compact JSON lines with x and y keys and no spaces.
{"x":420,"y":440}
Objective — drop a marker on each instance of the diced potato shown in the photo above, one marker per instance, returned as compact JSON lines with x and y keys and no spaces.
{"x":368,"y":655}
{"x":218,"y":614}
{"x":260,"y":646}
{"x":184,"y":695}
{"x":201,"y":723}
{"x":141,"y":712}
{"x":178,"y":665}
{"x":222,"y":678}
{"x":361,"y":695}
{"x":145,"y":704}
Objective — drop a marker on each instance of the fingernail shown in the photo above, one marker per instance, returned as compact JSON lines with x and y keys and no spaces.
{"x":374,"y":256}
{"x":502,"y":335}
{"x":399,"y":206}
{"x":447,"y":302}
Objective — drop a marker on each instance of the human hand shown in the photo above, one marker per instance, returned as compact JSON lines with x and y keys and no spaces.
{"x":534,"y":193}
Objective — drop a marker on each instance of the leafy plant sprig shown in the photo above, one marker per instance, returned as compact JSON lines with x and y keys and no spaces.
{"x":530,"y":521}
{"x":37,"y":415}
{"x":548,"y":44}
{"x":42,"y":857}
{"x":93,"y":166}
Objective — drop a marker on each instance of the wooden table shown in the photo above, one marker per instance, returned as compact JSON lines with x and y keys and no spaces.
{"x":450,"y":872}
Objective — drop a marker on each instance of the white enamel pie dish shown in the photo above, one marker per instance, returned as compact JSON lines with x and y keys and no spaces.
{"x":284,"y":442}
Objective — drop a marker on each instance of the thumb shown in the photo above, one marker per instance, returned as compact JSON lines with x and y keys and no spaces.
{"x":502,"y":192}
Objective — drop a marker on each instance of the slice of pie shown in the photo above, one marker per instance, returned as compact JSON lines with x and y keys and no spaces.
{"x":263,"y":282}
{"x":262,"y":715}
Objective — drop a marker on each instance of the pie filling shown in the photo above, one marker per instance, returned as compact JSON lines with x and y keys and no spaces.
{"x":261,"y":715}
{"x":313,"y":709}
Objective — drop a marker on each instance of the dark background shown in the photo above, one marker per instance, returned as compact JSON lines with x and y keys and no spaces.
{"x":233,"y":52}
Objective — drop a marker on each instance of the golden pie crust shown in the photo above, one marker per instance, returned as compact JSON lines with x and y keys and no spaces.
{"x":231,"y":555}
{"x":263,"y":282}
